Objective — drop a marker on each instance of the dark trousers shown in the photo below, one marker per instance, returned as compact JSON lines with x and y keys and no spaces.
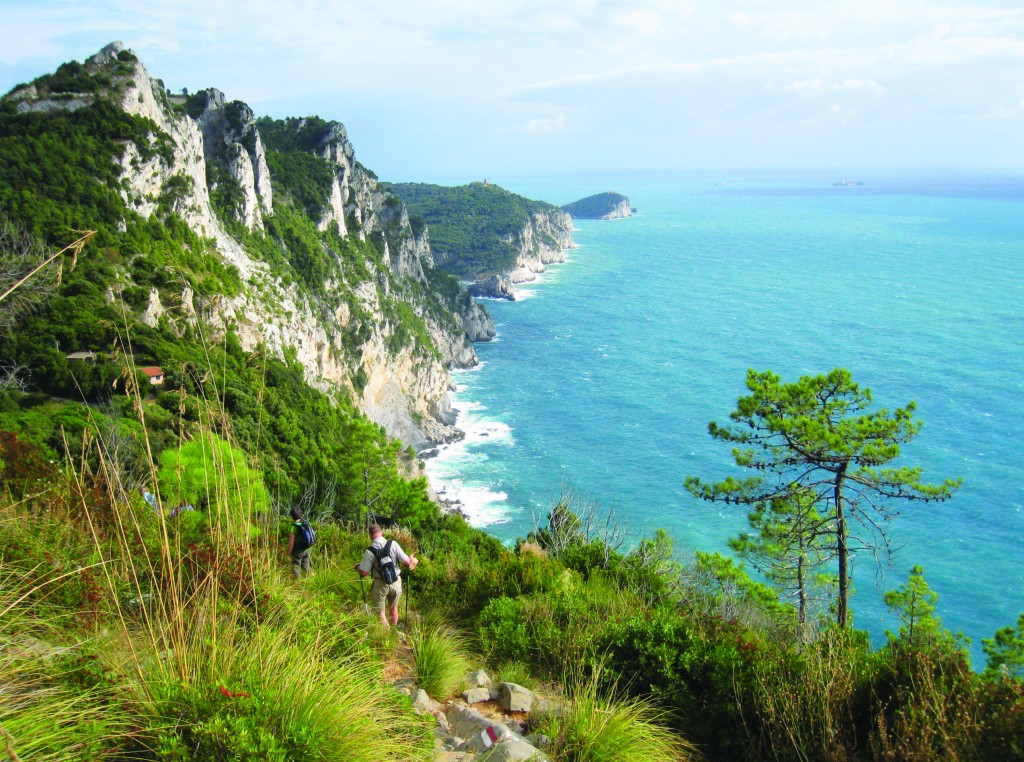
{"x":300,"y":563}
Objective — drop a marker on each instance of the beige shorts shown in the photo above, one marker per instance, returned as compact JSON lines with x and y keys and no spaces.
{"x":381,"y":594}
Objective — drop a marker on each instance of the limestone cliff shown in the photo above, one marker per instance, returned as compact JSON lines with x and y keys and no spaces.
{"x":543,"y":241}
{"x":373,"y":324}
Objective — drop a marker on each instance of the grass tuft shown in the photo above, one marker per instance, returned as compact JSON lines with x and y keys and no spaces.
{"x":599,"y":727}
{"x":440,"y":659}
{"x":45,"y":714}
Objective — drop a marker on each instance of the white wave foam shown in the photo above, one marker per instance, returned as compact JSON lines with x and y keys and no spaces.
{"x":483,"y":504}
{"x":478,"y":367}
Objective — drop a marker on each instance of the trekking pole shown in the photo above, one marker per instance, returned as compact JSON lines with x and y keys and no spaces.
{"x":366,"y":606}
{"x":408,"y":594}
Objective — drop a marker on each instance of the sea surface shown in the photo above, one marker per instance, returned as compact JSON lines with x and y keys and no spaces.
{"x":605,"y":373}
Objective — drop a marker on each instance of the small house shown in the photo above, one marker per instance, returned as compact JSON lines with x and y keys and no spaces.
{"x":154,"y":374}
{"x":89,"y":357}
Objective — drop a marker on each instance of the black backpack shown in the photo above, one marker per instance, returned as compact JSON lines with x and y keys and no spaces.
{"x":304,"y":536}
{"x":385,"y":563}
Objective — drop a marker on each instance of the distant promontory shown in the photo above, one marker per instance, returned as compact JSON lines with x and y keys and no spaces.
{"x":600,"y":206}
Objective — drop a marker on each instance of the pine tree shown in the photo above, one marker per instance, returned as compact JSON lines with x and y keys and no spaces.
{"x":816,"y":439}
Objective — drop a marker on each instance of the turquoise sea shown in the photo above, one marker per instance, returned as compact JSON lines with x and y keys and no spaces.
{"x":604,"y":376}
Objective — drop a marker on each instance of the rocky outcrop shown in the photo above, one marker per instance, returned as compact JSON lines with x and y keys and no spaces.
{"x":231,"y":141}
{"x":464,"y":733}
{"x":600,"y":206}
{"x":402,"y":385}
{"x":494,"y":287}
{"x":482,"y":230}
{"x":407,"y":251}
{"x":476,"y":323}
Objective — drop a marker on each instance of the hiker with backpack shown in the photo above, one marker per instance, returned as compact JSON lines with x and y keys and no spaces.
{"x":381,"y":561}
{"x":300,"y":542}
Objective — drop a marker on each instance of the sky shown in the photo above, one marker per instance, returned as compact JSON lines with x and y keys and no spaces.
{"x":435,"y":90}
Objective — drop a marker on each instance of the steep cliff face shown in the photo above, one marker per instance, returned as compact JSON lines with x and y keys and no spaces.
{"x":543,"y":241}
{"x":374,"y":326}
{"x":231,"y":140}
{"x":358,"y":206}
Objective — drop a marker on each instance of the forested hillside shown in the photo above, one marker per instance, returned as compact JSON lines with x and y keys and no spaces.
{"x":337,"y":294}
{"x":600,"y":206}
{"x":477,"y":230}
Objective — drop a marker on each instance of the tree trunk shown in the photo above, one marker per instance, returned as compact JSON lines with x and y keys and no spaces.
{"x":801,"y":585}
{"x":842,"y":551}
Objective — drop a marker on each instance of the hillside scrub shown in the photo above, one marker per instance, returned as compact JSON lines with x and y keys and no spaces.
{"x":194,"y":610}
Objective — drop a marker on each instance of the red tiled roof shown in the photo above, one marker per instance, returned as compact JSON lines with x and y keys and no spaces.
{"x":152,"y":371}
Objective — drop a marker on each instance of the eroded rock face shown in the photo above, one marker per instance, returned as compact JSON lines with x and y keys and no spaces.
{"x":541,"y":242}
{"x":494,"y":287}
{"x":477,"y":325}
{"x":403,"y":389}
{"x":231,"y":140}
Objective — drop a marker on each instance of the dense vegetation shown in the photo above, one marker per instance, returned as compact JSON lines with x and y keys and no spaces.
{"x":131,"y":631}
{"x":59,"y":174}
{"x":180,"y":637}
{"x":595,"y":207}
{"x":473,"y":228}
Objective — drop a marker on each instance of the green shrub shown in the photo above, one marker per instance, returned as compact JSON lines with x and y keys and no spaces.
{"x":700,"y":670}
{"x":1001,"y":708}
{"x":264,"y":696}
{"x":925,"y":703}
{"x":50,"y":709}
{"x":808,"y":700}
{"x":550,"y":632}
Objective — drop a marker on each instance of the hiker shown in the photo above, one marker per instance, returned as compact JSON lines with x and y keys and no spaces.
{"x":381,"y":561}
{"x":186,"y":506}
{"x":149,"y":497}
{"x":300,"y":543}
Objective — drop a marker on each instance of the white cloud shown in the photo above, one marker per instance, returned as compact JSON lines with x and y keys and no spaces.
{"x":555,"y":124}
{"x":537,"y":70}
{"x":816,"y":87}
{"x":641,"y":22}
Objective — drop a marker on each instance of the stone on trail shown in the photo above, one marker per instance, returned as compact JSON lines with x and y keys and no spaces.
{"x":516,"y":698}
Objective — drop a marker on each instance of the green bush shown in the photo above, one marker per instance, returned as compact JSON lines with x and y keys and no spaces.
{"x":925,"y":704}
{"x":1001,"y":709}
{"x":264,"y":696}
{"x":550,"y":632}
{"x":56,"y":703}
{"x":699,"y":670}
